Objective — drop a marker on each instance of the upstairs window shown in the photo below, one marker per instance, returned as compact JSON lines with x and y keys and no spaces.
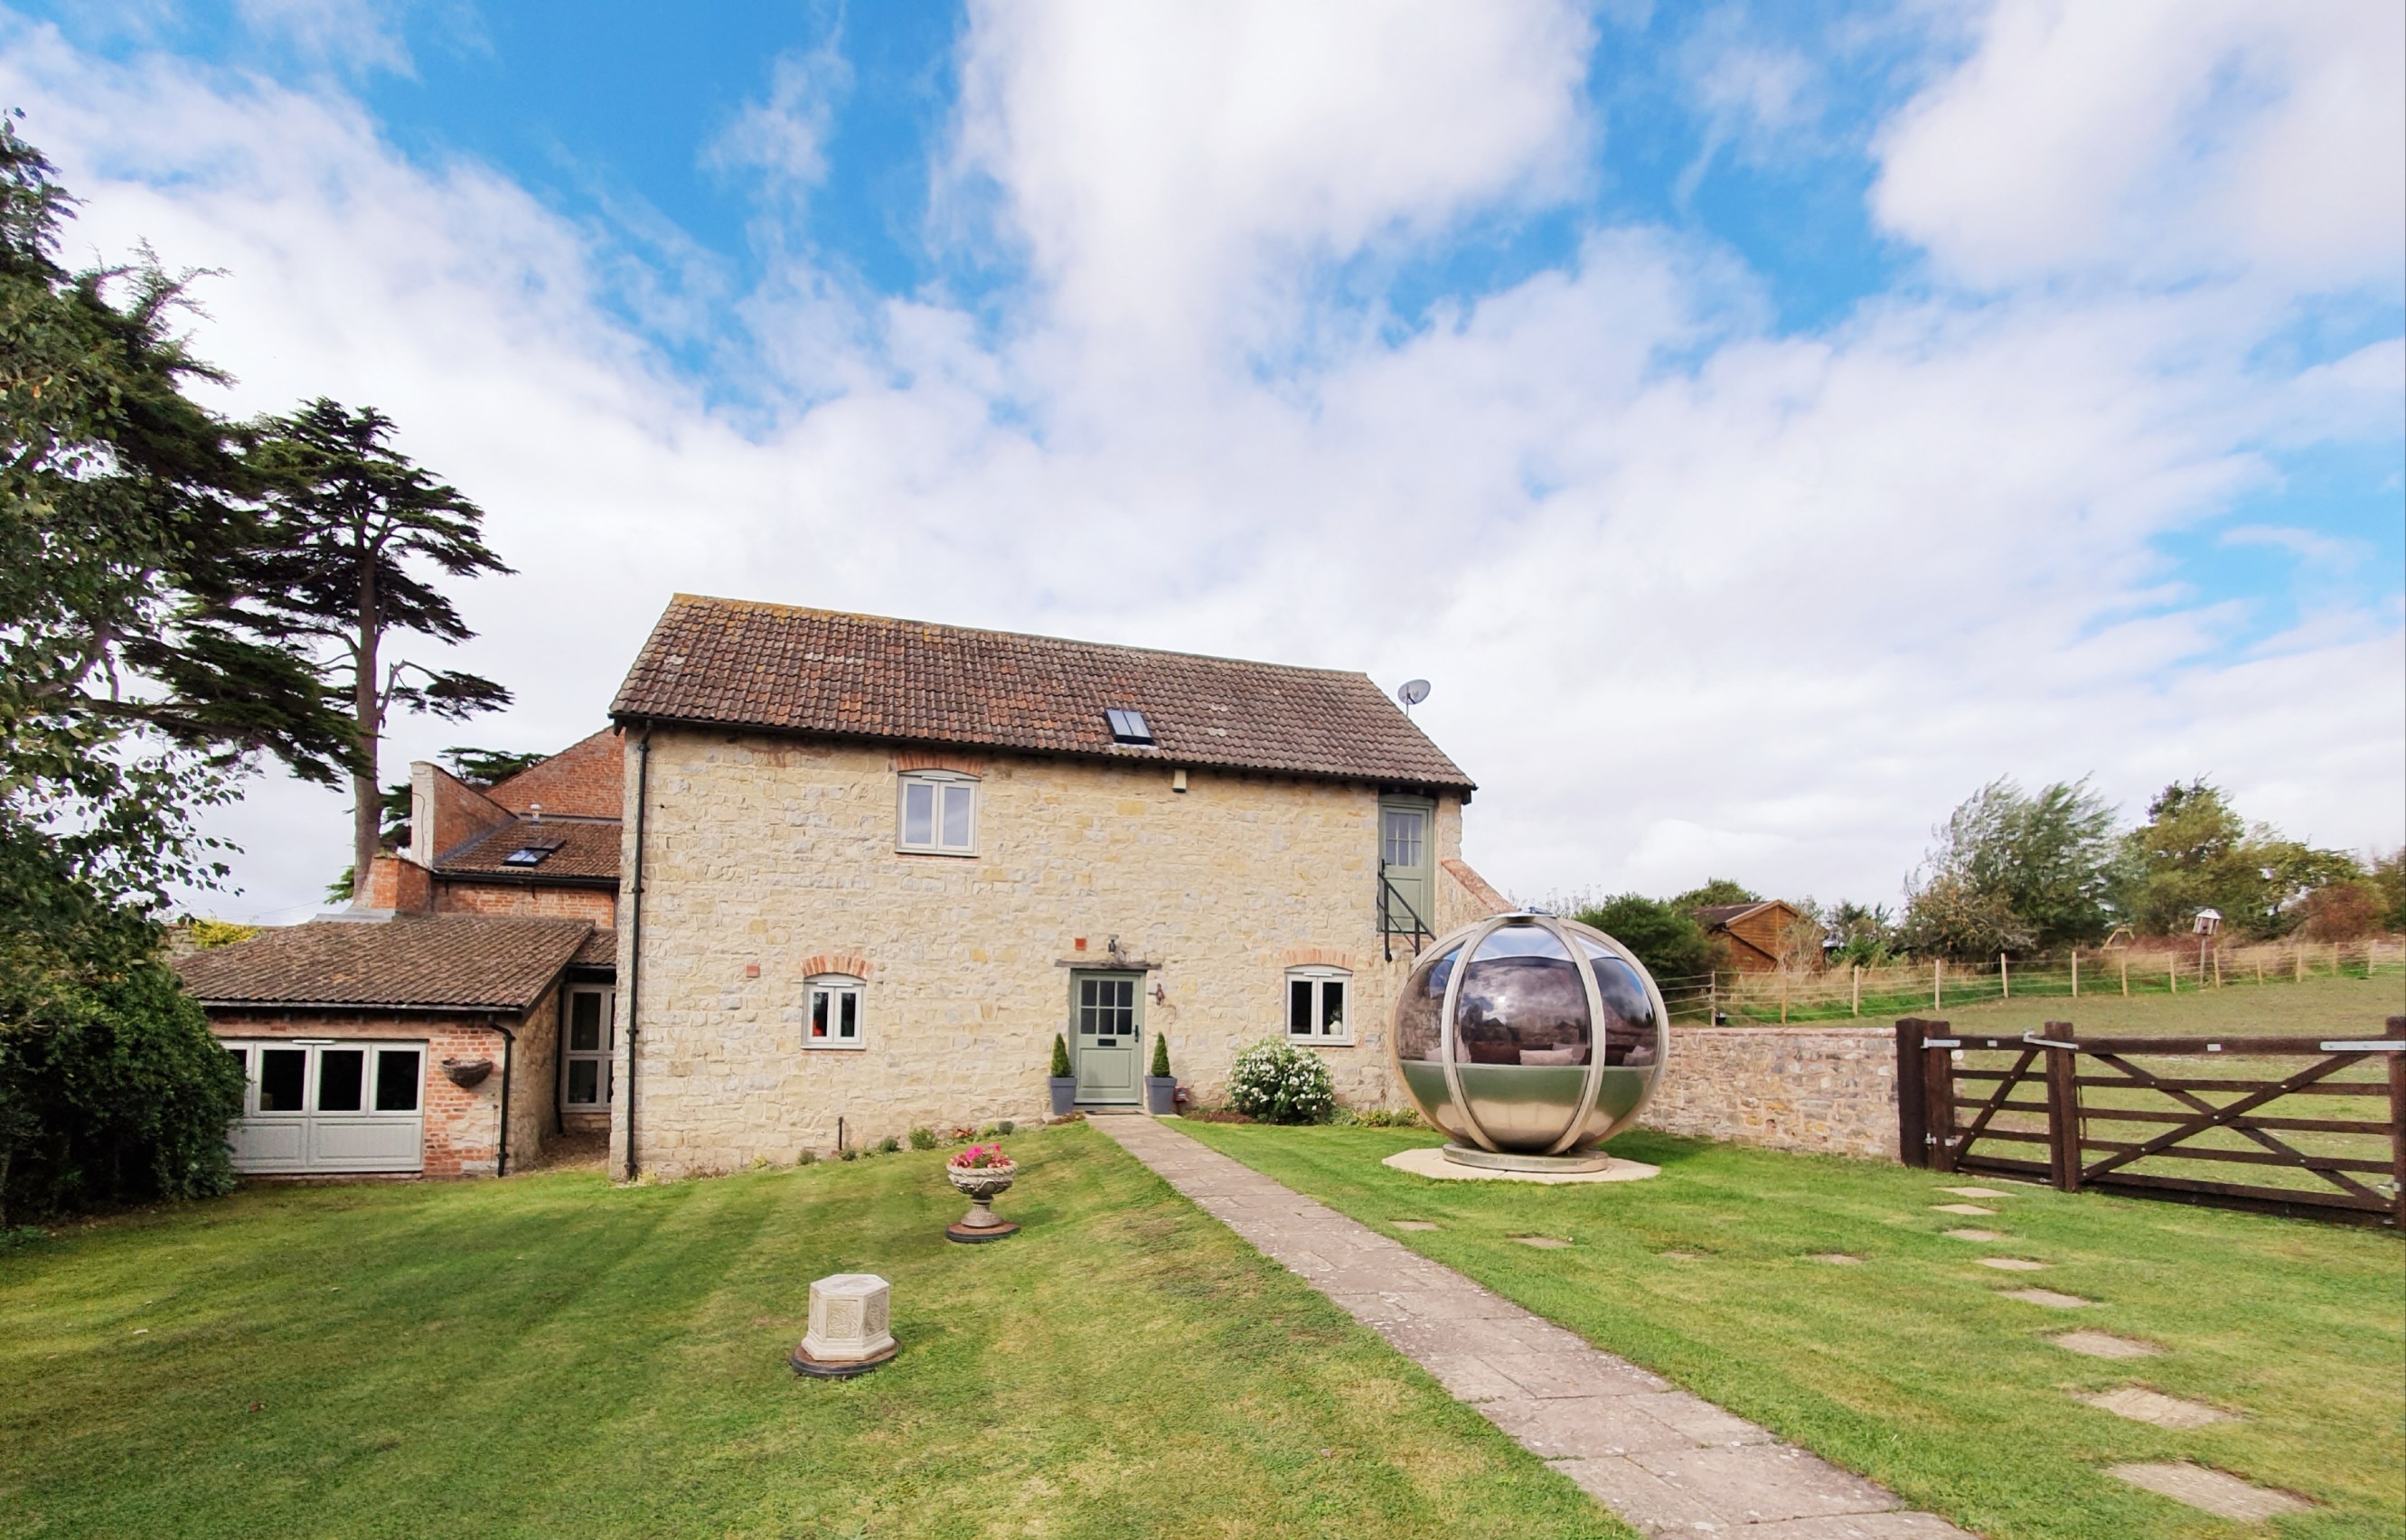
{"x":938,"y":814}
{"x":1316,"y":1005}
{"x":1127,"y":726}
{"x":834,"y":1018}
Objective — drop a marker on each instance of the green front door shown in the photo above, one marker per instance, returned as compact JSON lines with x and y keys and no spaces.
{"x":1107,"y":1013}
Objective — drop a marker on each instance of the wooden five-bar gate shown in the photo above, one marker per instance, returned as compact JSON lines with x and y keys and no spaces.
{"x":2149,"y":1116}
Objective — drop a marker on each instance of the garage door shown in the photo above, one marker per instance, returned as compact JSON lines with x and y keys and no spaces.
{"x":330,"y":1106}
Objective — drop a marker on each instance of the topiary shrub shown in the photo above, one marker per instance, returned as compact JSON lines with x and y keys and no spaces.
{"x":1060,"y":1058}
{"x":1278,"y":1082}
{"x":1160,"y":1056}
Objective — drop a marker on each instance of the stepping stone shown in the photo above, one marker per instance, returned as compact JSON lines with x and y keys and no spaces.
{"x":1413,"y":1225}
{"x":1543,"y":1243}
{"x":2104,"y":1345}
{"x":2165,"y":1411}
{"x":1838,"y":1259}
{"x":2014,"y":1264}
{"x":1976,"y":1235}
{"x":2047,"y":1298}
{"x":1977,"y":1191}
{"x":2214,"y":1490}
{"x":1962,"y":1208}
{"x":1681,"y":1255}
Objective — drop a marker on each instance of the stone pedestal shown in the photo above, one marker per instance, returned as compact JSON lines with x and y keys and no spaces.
{"x":848,"y":1335}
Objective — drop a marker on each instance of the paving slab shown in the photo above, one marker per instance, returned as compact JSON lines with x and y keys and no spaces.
{"x":2216,"y":1492}
{"x":2104,"y":1345}
{"x":1427,"y":1160}
{"x":1977,"y":1191}
{"x":1543,"y":1243}
{"x":1971,"y":1208}
{"x":1663,"y":1460}
{"x":1413,"y":1225}
{"x":2141,"y":1404}
{"x":1975,"y":1234}
{"x":2047,"y":1298}
{"x":2014,"y":1264}
{"x":1838,"y":1259}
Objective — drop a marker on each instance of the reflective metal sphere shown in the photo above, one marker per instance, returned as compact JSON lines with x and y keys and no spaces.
{"x":1545,"y":1043}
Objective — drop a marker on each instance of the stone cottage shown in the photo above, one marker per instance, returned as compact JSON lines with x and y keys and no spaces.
{"x":872,"y":867}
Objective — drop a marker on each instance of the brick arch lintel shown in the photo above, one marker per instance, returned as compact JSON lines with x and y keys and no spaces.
{"x":836,"y":962}
{"x":1319,"y":957}
{"x":906,"y":761}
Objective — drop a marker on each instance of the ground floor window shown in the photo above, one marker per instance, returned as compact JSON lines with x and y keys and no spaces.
{"x":834,"y":1012}
{"x":588,"y":1036}
{"x":1316,"y":1004}
{"x":325,"y":1105}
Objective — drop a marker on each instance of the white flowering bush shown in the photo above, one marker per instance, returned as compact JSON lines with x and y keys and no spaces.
{"x":1278,"y":1082}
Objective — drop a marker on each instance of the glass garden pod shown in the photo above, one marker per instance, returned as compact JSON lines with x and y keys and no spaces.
{"x":1530,"y":1039}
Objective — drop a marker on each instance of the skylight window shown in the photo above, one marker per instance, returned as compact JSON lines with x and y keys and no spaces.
{"x":529,"y":854}
{"x":1127,"y":726}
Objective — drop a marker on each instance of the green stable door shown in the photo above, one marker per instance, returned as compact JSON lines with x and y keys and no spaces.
{"x":1107,"y":1022}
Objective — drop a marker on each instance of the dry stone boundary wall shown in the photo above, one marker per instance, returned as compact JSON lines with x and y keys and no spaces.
{"x":1823,"y":1091}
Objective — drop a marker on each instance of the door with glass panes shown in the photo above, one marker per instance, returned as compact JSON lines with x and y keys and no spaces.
{"x":1406,"y":865}
{"x":324,"y":1105}
{"x":1107,"y":1022}
{"x":588,"y":1036}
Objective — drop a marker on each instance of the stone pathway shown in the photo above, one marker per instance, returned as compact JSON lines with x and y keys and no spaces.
{"x":1666,"y":1462}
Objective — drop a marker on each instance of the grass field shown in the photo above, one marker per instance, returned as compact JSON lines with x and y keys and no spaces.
{"x":1911,"y":1367}
{"x":2355,"y":1006}
{"x":551,"y":1356}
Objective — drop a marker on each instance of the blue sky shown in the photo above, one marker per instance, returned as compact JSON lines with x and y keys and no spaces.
{"x":1912,"y":394}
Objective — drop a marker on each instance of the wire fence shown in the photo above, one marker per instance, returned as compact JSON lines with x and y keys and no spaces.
{"x":1773,"y":997}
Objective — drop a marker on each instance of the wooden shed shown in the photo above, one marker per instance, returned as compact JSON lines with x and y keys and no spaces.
{"x":1749,"y":933}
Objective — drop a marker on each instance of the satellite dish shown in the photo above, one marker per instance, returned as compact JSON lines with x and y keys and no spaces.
{"x":1413,"y":692}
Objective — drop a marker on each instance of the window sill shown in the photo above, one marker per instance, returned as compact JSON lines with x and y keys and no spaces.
{"x":931,"y":850}
{"x":810,"y":1046}
{"x":1301,"y":1041}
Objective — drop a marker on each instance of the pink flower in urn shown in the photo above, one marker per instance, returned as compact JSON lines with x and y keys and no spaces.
{"x":980,"y":1158}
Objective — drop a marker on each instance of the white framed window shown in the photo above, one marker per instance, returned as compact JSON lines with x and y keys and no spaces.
{"x":1318,"y":1003}
{"x":833,"y":1017}
{"x":588,"y":1036}
{"x":936,"y":814}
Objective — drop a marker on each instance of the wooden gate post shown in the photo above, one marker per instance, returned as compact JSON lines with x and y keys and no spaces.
{"x":1938,"y":1098}
{"x":1911,"y":1109}
{"x":2398,"y":1126}
{"x":2063,"y":1109}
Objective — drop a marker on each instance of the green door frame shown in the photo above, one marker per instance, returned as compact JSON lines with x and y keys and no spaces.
{"x":1107,"y":1035}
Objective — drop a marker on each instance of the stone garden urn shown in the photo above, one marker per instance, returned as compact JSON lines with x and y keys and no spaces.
{"x":982,"y":1173}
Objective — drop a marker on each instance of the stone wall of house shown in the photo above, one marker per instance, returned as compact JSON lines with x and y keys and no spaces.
{"x":766,"y":859}
{"x":461,"y":1125}
{"x":1820,"y":1090}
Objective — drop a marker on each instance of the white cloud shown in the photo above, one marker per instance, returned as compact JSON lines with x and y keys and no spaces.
{"x":784,"y":136}
{"x":2162,"y":138}
{"x":1694,"y":596}
{"x":349,"y":33}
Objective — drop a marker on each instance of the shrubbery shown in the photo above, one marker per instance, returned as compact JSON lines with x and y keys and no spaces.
{"x":1278,"y":1082}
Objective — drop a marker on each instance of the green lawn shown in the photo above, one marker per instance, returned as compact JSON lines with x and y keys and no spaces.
{"x":551,"y":1356}
{"x":1910,"y":1368}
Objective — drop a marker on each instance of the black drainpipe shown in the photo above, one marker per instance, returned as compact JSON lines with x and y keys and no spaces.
{"x":509,"y":1048}
{"x":635,"y":933}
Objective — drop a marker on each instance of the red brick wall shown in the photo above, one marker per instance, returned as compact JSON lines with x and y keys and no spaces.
{"x":445,"y":810}
{"x":457,"y":897}
{"x":461,"y":1125}
{"x":585,"y":780}
{"x":397,"y":884}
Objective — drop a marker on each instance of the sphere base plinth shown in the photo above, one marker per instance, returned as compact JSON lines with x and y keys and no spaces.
{"x":1427,"y":1160}
{"x":1512,"y":1159}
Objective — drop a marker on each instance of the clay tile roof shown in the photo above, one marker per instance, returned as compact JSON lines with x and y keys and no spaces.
{"x":577,"y":847}
{"x":600,"y":949}
{"x":731,"y":663}
{"x":464,"y":961}
{"x":1712,"y":915}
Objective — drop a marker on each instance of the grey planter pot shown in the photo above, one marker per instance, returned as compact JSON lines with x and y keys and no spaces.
{"x":1065,"y":1093}
{"x":1161,"y":1094}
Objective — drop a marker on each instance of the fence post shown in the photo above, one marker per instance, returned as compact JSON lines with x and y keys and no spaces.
{"x":2005,"y":975}
{"x":2398,"y":1126}
{"x":1713,"y":997}
{"x":1938,"y":1100}
{"x":2063,"y":1109}
{"x":2172,"y":970}
{"x":2217,"y":967}
{"x":1912,"y":1112}
{"x":2126,"y":978}
{"x":2075,"y":973}
{"x":1783,"y":996}
{"x":1857,"y":970}
{"x":2297,"y":965}
{"x":1938,"y":984}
